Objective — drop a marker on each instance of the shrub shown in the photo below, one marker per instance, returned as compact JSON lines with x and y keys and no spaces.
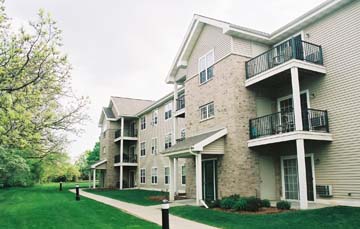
{"x":234,"y":197}
{"x":240,"y":204}
{"x":283,"y":205}
{"x":227,"y":203}
{"x":213,"y":203}
{"x":265,"y":203}
{"x":253,"y":204}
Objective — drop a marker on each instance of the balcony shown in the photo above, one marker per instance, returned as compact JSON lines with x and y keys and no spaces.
{"x":282,"y":124}
{"x":293,"y":52}
{"x":180,"y":106}
{"x":129,"y":134}
{"x":127,"y":158}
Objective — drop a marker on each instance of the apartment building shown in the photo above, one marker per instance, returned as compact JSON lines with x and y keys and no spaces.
{"x":268,"y":115}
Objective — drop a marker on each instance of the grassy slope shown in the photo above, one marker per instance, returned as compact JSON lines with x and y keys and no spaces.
{"x":45,"y":207}
{"x":334,"y":217}
{"x":136,"y":196}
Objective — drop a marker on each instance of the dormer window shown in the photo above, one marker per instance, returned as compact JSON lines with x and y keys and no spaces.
{"x":206,"y":67}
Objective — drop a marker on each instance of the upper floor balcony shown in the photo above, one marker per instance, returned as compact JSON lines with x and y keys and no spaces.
{"x":291,"y":53}
{"x":280,"y":126}
{"x":129,"y":134}
{"x":180,"y":106}
{"x":127,"y":159}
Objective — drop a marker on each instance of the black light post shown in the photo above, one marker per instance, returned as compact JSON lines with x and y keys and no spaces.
{"x":77,"y":197}
{"x":165,"y":214}
{"x":60,"y":187}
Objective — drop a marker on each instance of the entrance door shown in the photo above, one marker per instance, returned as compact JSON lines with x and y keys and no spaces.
{"x":290,"y":178}
{"x":131,"y":178}
{"x":267,"y":176}
{"x":209,"y":180}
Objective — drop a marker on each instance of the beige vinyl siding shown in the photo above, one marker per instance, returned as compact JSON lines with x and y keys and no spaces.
{"x":215,"y":147}
{"x":338,"y":92}
{"x":210,"y":38}
{"x":149,"y":161}
{"x":248,"y":48}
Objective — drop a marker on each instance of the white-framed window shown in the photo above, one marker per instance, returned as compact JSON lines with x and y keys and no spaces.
{"x":168,"y":140}
{"x":154,"y":146}
{"x":207,"y":111}
{"x":154,"y":176}
{"x":142,"y":149}
{"x":142,"y":176}
{"x":104,"y":151}
{"x":168,"y":110}
{"x":183,"y":175}
{"x":206,"y":67}
{"x":167,"y":175}
{"x":182,"y":133}
{"x":143,"y":123}
{"x":155,"y":115}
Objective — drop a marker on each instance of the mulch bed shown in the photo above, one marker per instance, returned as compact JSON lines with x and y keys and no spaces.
{"x":157,"y":198}
{"x":262,"y":211}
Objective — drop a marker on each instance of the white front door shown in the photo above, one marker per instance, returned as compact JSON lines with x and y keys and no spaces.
{"x":267,"y":176}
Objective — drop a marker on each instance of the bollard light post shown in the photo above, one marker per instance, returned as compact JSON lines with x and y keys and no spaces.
{"x":77,"y":197}
{"x":165,"y":214}
{"x":60,"y":188}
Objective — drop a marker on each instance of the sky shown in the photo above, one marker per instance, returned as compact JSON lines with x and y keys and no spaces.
{"x":125,"y":48}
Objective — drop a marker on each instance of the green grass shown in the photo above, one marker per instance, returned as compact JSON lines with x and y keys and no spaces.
{"x":135,"y":196}
{"x":332,"y":217}
{"x":43,"y":206}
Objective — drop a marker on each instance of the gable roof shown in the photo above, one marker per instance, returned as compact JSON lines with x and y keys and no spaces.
{"x":128,"y":106}
{"x":198,"y":22}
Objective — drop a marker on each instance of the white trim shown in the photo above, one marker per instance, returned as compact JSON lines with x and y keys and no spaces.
{"x":98,"y":163}
{"x":166,"y":167}
{"x":155,"y":111}
{"x":200,"y":145}
{"x":282,"y":158}
{"x":283,"y":67}
{"x":144,"y":149}
{"x":154,"y":167}
{"x":182,"y":184}
{"x":290,"y":136}
{"x":212,"y":51}
{"x":171,"y":139}
{"x":207,"y":107}
{"x":157,"y":146}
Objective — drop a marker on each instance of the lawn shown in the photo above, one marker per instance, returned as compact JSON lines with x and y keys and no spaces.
{"x":332,"y":217}
{"x":43,"y":206}
{"x":135,"y":196}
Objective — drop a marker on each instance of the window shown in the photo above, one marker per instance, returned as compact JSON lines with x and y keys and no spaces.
{"x":154,"y":146}
{"x":142,"y":149}
{"x":183,"y":175}
{"x":207,"y":111}
{"x":168,"y":141}
{"x":206,"y":68}
{"x":168,"y":110}
{"x":167,"y":175}
{"x":154,"y":176}
{"x":154,"y":120}
{"x":142,"y":176}
{"x":182,"y":134}
{"x":142,"y":123}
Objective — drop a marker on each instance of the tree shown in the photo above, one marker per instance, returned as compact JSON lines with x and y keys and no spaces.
{"x":86,"y":159}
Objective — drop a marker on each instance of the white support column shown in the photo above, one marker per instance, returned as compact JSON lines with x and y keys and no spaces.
{"x":174,"y":111}
{"x":175,"y":175}
{"x":171,"y":185}
{"x":198,"y":178}
{"x":302,"y":173}
{"x":94,"y":178}
{"x":296,"y":98}
{"x":121,"y":154}
{"x":90,"y":178}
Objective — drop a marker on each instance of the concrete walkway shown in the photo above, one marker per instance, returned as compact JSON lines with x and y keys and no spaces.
{"x":149,"y":213}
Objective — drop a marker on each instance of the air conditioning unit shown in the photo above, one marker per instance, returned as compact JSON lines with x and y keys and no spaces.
{"x":324,"y":190}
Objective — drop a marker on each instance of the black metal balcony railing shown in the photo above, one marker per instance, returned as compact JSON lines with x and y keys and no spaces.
{"x":127,"y":133}
{"x":180,"y":103}
{"x":127,"y":158}
{"x":290,"y":49}
{"x":283,"y":122}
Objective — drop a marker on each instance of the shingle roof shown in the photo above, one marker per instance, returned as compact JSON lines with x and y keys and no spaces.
{"x":187,"y":143}
{"x":128,"y":106}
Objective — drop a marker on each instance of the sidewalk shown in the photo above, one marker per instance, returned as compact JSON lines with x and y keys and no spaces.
{"x":149,"y":213}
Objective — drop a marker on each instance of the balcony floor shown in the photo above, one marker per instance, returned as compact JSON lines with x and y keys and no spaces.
{"x":290,"y":136}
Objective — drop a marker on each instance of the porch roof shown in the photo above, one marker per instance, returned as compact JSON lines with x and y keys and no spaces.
{"x":195,"y":143}
{"x":99,"y":164}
